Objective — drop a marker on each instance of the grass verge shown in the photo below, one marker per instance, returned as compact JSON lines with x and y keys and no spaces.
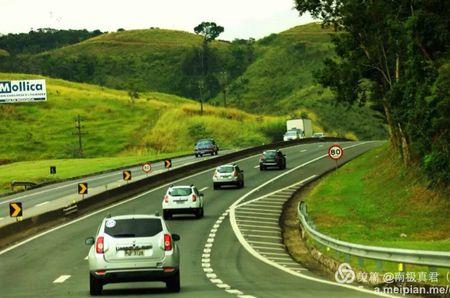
{"x":372,"y":200}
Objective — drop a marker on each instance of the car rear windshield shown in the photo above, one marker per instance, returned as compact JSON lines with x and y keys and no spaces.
{"x":180,"y":191}
{"x":269,"y":154}
{"x":291,"y":133}
{"x":228,"y":169}
{"x":204,"y":143}
{"x":133,"y":227}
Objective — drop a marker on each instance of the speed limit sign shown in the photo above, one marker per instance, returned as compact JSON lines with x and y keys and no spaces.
{"x":147,"y":167}
{"x":335,"y":152}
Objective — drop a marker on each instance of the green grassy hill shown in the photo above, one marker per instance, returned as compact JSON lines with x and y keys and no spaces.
{"x":143,"y":60}
{"x":113,"y":125}
{"x":276,"y":80}
{"x":280,"y":81}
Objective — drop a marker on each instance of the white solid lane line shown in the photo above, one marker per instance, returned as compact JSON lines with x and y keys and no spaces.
{"x":304,"y":150}
{"x":204,"y":188}
{"x":1,"y":218}
{"x":61,"y":279}
{"x":255,"y":167}
{"x":42,"y":204}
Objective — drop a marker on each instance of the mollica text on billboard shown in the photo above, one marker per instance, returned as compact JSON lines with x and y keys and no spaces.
{"x":22,"y":91}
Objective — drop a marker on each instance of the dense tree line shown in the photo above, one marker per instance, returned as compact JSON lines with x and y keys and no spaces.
{"x":395,"y":54}
{"x":43,"y":39}
{"x":178,"y":71}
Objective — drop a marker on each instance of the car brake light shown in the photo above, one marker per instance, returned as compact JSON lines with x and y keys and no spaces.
{"x":167,"y":242}
{"x":100,"y":272}
{"x":261,"y":157}
{"x":194,"y":198}
{"x":166,"y":199}
{"x":235,"y":174}
{"x":100,"y":245}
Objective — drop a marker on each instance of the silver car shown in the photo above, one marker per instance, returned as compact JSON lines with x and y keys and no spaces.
{"x":229,"y":174}
{"x":131,"y":248}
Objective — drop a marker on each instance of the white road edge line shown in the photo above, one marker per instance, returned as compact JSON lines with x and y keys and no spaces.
{"x":204,"y":188}
{"x":253,"y":252}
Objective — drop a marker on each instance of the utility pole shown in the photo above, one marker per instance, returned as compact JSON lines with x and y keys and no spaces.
{"x":201,"y":86}
{"x":79,"y":133}
{"x":224,"y":84}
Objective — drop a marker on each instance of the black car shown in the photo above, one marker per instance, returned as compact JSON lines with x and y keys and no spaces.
{"x":206,"y":146}
{"x":272,"y":158}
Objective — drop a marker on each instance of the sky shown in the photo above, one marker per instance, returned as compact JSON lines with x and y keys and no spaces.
{"x":240,"y":18}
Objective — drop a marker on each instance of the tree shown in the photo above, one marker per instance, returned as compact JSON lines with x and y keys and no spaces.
{"x":388,"y":52}
{"x":210,"y":31}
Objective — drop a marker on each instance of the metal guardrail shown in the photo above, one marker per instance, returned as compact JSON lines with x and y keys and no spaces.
{"x":405,"y":256}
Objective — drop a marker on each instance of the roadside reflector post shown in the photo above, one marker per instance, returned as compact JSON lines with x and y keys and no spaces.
{"x":401,"y":267}
{"x":360,"y":262}
{"x":379,"y":265}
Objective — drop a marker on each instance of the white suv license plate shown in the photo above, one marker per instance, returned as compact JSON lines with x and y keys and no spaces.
{"x":134,"y":252}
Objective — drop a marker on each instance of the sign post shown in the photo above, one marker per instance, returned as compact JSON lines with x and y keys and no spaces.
{"x":335,"y":152}
{"x":52,"y":170}
{"x":147,"y":168}
{"x":82,"y":189}
{"x":126,"y":175}
{"x":15,"y":210}
{"x":23,"y":91}
{"x":168,"y":163}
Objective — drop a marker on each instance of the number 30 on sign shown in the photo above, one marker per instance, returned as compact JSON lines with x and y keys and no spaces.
{"x":335,"y":152}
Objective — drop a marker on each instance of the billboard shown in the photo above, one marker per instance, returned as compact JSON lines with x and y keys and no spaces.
{"x":22,"y":91}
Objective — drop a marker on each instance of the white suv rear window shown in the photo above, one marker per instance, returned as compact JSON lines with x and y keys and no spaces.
{"x":180,"y":191}
{"x":133,"y":227}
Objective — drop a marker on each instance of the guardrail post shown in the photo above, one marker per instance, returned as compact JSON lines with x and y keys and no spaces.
{"x":379,"y":265}
{"x":360,"y":262}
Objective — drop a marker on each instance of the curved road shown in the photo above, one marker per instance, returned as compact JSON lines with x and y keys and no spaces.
{"x":31,"y":268}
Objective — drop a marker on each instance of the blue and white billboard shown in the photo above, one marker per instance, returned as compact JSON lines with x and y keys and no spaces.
{"x":22,"y":91}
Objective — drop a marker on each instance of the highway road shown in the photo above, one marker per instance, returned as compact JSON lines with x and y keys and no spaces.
{"x":34,"y":268}
{"x":58,"y":195}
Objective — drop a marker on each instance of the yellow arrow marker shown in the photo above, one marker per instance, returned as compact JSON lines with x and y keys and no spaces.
{"x":126,"y":175}
{"x":17,"y":210}
{"x":82,"y":188}
{"x":168,"y":163}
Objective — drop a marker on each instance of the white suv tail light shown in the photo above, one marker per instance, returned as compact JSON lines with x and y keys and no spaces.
{"x":167,"y":242}
{"x":100,"y":245}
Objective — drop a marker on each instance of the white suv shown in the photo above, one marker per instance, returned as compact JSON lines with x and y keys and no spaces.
{"x":182,"y":200}
{"x":131,"y":248}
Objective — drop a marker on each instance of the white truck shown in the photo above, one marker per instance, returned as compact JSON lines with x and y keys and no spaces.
{"x":304,"y":126}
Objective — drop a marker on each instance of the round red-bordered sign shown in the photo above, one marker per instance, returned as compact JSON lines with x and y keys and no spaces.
{"x":335,"y":152}
{"x":147,"y":167}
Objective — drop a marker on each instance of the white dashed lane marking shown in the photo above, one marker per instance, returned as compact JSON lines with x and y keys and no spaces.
{"x":203,"y":189}
{"x":42,"y":204}
{"x":206,"y":261}
{"x":61,"y":279}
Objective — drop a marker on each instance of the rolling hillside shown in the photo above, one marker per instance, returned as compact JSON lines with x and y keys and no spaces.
{"x":114,"y":125}
{"x":280,"y":81}
{"x":143,"y":60}
{"x":277,"y":79}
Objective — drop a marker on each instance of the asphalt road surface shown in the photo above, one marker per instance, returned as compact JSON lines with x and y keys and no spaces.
{"x":61,"y":194}
{"x":55,"y":265}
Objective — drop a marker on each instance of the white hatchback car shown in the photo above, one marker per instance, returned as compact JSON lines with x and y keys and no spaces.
{"x":182,"y":199}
